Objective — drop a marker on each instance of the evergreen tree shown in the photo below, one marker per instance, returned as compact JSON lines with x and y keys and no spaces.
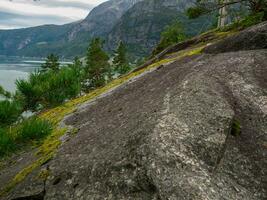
{"x":120,"y":60}
{"x":4,"y":93}
{"x":77,"y":68}
{"x":51,"y":63}
{"x":97,"y":66}
{"x":171,"y":35}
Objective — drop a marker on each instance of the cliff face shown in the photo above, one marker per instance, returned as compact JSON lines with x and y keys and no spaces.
{"x":101,"y":19}
{"x":141,"y":26}
{"x":192,"y":126}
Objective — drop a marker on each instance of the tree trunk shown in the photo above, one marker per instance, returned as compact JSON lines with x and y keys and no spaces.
{"x":223,"y":14}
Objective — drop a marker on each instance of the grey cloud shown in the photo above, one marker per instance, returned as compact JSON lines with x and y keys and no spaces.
{"x":20,"y":21}
{"x":12,"y":19}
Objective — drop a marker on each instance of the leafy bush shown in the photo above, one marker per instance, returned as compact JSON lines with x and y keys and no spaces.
{"x":9,"y":112}
{"x":49,"y":88}
{"x":7,"y":143}
{"x":30,"y":91}
{"x":248,"y":21}
{"x":29,"y":130}
{"x":195,"y":12}
{"x":4,"y":93}
{"x":34,"y":129}
{"x":172,"y":35}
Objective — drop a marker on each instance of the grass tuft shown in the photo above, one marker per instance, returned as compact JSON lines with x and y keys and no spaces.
{"x":9,"y":112}
{"x":34,"y":129}
{"x":7,"y":143}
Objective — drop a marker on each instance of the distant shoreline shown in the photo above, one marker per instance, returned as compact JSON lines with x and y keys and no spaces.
{"x":13,"y":68}
{"x":4,"y":58}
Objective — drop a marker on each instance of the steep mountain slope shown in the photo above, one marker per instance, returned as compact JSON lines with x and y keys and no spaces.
{"x":141,"y":26}
{"x":101,"y":19}
{"x":15,"y":42}
{"x":67,"y":40}
{"x":191,"y":125}
{"x":136,"y":22}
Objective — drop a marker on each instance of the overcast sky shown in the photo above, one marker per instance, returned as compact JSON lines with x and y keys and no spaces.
{"x":27,"y":13}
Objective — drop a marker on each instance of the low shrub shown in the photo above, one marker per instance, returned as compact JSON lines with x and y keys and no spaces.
{"x":173,"y":34}
{"x":9,"y":112}
{"x":30,"y":130}
{"x":49,"y":88}
{"x":7,"y":143}
{"x":34,"y":129}
{"x":4,"y":93}
{"x":248,"y":21}
{"x":236,"y":128}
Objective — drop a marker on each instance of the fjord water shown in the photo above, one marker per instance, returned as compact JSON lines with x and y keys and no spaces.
{"x":13,"y":69}
{"x":16,"y":68}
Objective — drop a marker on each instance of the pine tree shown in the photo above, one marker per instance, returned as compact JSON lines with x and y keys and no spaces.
{"x":4,"y":93}
{"x":173,"y":34}
{"x":77,"y":69}
{"x":120,"y":59}
{"x":51,"y":63}
{"x":97,"y":65}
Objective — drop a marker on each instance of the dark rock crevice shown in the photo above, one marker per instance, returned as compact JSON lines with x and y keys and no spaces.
{"x":40,"y":196}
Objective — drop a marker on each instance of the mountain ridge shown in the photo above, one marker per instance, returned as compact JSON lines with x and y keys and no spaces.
{"x":111,"y":21}
{"x":64,"y":40}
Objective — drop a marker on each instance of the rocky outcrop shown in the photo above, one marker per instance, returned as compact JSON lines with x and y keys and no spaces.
{"x":194,"y":128}
{"x":101,"y":19}
{"x":249,"y":39}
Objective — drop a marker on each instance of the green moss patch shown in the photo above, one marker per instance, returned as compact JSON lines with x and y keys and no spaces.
{"x":236,"y":128}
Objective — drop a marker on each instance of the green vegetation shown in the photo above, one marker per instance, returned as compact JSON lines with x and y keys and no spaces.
{"x":46,"y":89}
{"x":236,"y":128}
{"x":194,"y":12}
{"x":4,"y":93}
{"x":9,"y":112}
{"x":7,"y":143}
{"x":51,"y":63}
{"x":34,"y":129}
{"x":246,"y":22}
{"x":120,"y":60}
{"x":172,"y":35}
{"x":97,"y":65}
